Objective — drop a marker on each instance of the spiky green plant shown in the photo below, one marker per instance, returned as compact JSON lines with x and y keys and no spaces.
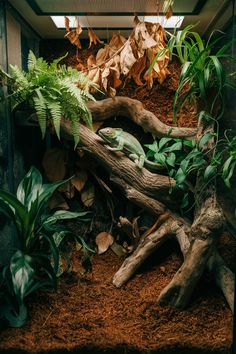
{"x":54,"y":91}
{"x":202,"y":70}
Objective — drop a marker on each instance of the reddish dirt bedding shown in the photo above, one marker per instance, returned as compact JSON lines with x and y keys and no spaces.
{"x":89,"y":315}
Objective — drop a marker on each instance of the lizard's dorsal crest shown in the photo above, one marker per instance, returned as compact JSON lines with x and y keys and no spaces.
{"x":119,"y":131}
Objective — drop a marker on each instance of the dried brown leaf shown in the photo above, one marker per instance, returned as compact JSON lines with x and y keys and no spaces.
{"x":97,"y":126}
{"x":68,"y":189}
{"x":169,"y":13}
{"x":54,"y":164}
{"x":79,"y":180}
{"x":67,"y":24}
{"x":73,"y":38}
{"x":93,"y":38}
{"x":137,"y":69}
{"x":58,"y":202}
{"x":117,"y":41}
{"x":103,"y":241}
{"x":78,"y":29}
{"x":88,"y":195}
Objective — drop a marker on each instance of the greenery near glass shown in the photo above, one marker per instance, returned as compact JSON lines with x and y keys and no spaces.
{"x":34,"y":263}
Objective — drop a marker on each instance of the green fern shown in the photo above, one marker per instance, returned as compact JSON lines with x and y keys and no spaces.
{"x":53,"y":91}
{"x":41,"y":111}
{"x":55,"y":112}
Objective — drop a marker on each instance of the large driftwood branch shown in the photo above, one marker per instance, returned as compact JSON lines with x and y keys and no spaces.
{"x":197,"y":245}
{"x":150,"y":184}
{"x":204,"y":232}
{"x":224,"y":277}
{"x":133,"y":109}
{"x":145,"y":248}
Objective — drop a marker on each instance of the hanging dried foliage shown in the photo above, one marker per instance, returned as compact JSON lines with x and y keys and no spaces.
{"x":93,"y":38}
{"x":131,"y":57}
{"x":73,"y":34}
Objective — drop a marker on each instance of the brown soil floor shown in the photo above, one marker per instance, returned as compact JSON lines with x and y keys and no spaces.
{"x":89,"y":315}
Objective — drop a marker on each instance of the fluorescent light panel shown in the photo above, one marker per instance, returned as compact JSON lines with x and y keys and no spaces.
{"x":172,"y":22}
{"x":115,"y":21}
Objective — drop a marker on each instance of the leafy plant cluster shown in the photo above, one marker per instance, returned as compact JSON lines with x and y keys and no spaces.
{"x":202,"y":69}
{"x":182,"y":157}
{"x":34,"y":263}
{"x":202,"y":81}
{"x":53,"y":91}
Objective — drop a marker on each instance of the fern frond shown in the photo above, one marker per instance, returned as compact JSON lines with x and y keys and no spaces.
{"x":19,"y":76}
{"x":75,"y":131}
{"x":41,"y":111}
{"x":32,"y":61}
{"x":75,"y":92}
{"x":87,"y":118}
{"x":55,"y":112}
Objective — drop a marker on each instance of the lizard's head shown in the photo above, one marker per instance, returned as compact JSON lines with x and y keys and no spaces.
{"x":107,"y":134}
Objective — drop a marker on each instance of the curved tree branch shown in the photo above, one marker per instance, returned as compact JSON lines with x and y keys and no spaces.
{"x":128,"y":107}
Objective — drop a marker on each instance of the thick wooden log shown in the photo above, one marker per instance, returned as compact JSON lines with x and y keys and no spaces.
{"x":204,"y":232}
{"x":133,"y":109}
{"x":146,"y":247}
{"x":224,"y":277}
{"x":151,"y":184}
{"x":149,"y":204}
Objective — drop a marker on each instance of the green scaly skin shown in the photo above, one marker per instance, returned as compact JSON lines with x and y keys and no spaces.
{"x":119,"y":140}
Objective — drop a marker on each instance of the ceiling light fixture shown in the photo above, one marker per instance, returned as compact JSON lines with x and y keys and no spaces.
{"x":172,"y":22}
{"x":59,"y":21}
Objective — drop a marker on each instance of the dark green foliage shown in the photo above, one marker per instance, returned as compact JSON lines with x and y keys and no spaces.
{"x":202,"y":71}
{"x":34,"y":264}
{"x":182,"y":158}
{"x":53,"y":91}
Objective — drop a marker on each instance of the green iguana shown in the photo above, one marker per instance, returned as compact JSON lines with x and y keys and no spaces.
{"x":119,"y":140}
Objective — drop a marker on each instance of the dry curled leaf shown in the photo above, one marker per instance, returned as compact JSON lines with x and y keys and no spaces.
{"x":58,"y":202}
{"x":79,"y":180}
{"x":93,"y":38}
{"x":67,"y":189}
{"x":103,"y":241}
{"x":73,"y":34}
{"x":54,"y":164}
{"x":67,"y":23}
{"x":88,"y":195}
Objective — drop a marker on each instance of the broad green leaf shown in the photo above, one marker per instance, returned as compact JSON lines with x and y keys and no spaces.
{"x":20,"y":212}
{"x":205,"y":138}
{"x":22,"y":273}
{"x":170,"y":160}
{"x":163,"y":142}
{"x":210,"y":171}
{"x":15,"y":317}
{"x":160,"y":158}
{"x":153,"y":147}
{"x":64,"y":214}
{"x":54,"y":250}
{"x":185,"y":201}
{"x":230,"y":174}
{"x":190,"y":143}
{"x":184,"y":165}
{"x":175,"y":147}
{"x":29,"y":187}
{"x":180,"y":176}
